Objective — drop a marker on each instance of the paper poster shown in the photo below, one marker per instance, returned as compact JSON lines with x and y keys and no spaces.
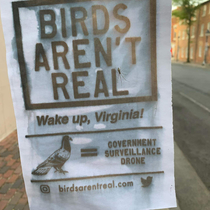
{"x":91,"y":86}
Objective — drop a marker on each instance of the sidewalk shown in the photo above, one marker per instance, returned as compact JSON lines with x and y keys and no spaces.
{"x":12,"y":190}
{"x":207,"y":66}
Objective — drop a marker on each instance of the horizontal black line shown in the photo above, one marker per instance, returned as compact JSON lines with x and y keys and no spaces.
{"x":89,"y":154}
{"x":48,"y":2}
{"x":95,"y":177}
{"x":89,"y":150}
{"x":91,"y":102}
{"x":89,"y":132}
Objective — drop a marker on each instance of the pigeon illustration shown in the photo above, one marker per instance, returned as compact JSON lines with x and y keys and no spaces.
{"x":56,"y":159}
{"x":146,"y":182}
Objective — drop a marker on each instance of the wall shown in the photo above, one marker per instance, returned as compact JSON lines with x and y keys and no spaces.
{"x":7,"y":118}
{"x":201,"y":40}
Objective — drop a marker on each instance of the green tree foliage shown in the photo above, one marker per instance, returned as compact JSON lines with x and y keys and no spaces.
{"x":186,"y":10}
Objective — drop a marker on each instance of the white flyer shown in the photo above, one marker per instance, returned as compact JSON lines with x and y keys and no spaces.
{"x":91,"y":87}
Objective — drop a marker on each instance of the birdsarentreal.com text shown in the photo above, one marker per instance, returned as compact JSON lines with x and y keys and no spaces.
{"x":98,"y":186}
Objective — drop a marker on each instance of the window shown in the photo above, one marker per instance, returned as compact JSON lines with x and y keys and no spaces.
{"x":186,"y":52}
{"x":183,"y":34}
{"x":204,"y":10}
{"x":200,"y":51}
{"x":182,"y":54}
{"x":195,"y":17}
{"x":191,"y":53}
{"x":202,"y":30}
{"x":208,"y":26}
{"x":187,"y":32}
{"x":174,"y":35}
{"x":193,"y":32}
{"x":179,"y":34}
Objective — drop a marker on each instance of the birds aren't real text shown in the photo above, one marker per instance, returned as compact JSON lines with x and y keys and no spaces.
{"x":79,"y":54}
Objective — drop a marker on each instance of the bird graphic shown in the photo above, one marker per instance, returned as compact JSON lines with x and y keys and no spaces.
{"x":146,"y":182}
{"x":56,"y":159}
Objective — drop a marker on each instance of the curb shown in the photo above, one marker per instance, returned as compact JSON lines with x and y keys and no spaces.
{"x":207,"y":66}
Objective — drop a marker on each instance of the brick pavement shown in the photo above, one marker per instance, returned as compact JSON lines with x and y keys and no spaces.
{"x":12,"y":189}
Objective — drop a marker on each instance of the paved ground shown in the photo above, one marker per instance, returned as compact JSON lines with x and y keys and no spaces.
{"x":12,"y":190}
{"x":191,"y":106}
{"x":191,"y":109}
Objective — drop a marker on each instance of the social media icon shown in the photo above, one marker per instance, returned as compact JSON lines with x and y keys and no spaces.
{"x":45,"y":189}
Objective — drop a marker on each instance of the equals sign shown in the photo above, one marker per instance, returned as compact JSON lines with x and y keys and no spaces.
{"x":91,"y":152}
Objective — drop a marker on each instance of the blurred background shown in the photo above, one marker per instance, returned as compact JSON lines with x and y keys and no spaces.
{"x":190,"y":41}
{"x":190,"y":55}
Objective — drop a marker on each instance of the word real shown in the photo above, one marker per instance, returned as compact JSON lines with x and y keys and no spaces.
{"x":77,"y":48}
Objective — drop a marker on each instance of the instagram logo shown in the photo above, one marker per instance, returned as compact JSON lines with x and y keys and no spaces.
{"x":45,"y":189}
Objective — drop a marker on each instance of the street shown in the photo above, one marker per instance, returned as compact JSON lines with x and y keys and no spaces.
{"x":191,"y":112}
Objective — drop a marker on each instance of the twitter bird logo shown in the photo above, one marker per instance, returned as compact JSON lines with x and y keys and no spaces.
{"x":146,"y":182}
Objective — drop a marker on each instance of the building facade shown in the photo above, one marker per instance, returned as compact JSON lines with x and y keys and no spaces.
{"x":200,"y":39}
{"x":7,"y":117}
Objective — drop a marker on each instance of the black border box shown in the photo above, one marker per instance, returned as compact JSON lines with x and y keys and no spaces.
{"x":22,"y":65}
